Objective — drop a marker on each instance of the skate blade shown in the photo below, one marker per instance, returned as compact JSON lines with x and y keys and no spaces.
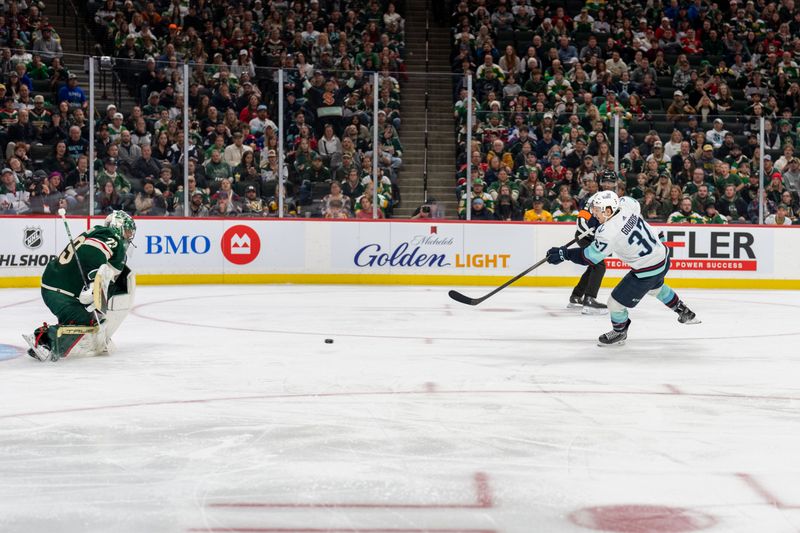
{"x":574,"y":306}
{"x":612,"y":345}
{"x":594,"y":311}
{"x":692,"y":321}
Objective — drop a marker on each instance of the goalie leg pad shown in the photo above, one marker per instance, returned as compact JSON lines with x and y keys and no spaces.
{"x":78,"y":341}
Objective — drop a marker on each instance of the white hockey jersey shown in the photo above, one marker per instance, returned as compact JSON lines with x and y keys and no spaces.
{"x":630,"y":238}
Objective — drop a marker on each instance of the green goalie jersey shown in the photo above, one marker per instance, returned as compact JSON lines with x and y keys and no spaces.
{"x":95,"y":247}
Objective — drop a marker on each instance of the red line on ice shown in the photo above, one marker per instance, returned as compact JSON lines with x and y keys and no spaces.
{"x":762,"y":491}
{"x":312,"y":395}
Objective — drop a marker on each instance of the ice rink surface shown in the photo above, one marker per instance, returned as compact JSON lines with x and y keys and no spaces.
{"x":224,"y":410}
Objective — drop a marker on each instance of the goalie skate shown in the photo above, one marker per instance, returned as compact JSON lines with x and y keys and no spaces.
{"x":39,"y":352}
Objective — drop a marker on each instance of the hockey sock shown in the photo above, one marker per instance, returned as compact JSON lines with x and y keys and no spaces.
{"x":620,"y":325}
{"x":618,"y":314}
{"x":668,"y":297}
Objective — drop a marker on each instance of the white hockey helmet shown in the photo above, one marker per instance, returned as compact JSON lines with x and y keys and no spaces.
{"x":123,"y":223}
{"x":605,"y":199}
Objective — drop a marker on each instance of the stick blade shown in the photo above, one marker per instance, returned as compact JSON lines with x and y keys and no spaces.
{"x":457,"y":296}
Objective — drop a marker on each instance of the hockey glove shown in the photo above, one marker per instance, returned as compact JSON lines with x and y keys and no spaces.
{"x":557,"y":255}
{"x":86,"y":297}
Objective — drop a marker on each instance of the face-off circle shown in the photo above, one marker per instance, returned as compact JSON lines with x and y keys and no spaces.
{"x":641,"y":519}
{"x":240,"y":244}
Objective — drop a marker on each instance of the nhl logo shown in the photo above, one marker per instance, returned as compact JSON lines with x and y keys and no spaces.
{"x":32,"y":238}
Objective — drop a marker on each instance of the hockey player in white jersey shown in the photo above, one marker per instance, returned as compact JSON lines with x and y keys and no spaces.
{"x":625,"y":233}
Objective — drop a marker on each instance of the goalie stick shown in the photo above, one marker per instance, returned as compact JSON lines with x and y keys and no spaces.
{"x":461,"y":298}
{"x":86,"y":281}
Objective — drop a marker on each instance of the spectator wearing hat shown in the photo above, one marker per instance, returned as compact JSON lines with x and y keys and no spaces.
{"x":479,"y":210}
{"x":234,"y":151}
{"x":477,"y":191}
{"x":153,"y":108}
{"x":243,"y":64}
{"x":116,"y":127}
{"x":14,"y":200}
{"x":252,"y":204}
{"x":198,"y":207}
{"x":48,"y":46}
{"x":72,"y":94}
{"x":261,"y":122}
{"x":317,"y":172}
{"x":791,"y":175}
{"x":780,"y":217}
{"x":679,"y":110}
{"x":538,"y":213}
{"x":40,"y":117}
{"x":716,"y":135}
{"x":111,"y":173}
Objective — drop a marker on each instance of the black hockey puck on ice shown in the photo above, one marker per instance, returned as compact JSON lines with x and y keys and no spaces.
{"x":328,"y":341}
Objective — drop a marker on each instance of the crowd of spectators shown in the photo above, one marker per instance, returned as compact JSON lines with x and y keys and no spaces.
{"x":329,"y":53}
{"x":688,"y":79}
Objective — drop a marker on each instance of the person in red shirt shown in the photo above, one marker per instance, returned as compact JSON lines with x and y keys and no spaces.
{"x":556,"y":172}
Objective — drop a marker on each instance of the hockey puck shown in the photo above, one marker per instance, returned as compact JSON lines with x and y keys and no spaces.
{"x":328,"y":341}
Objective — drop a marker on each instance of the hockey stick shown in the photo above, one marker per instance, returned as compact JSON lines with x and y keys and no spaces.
{"x":461,"y":298}
{"x":86,"y":281}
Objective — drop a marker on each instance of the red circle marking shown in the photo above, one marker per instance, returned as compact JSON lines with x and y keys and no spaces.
{"x":240,"y":244}
{"x":641,"y":519}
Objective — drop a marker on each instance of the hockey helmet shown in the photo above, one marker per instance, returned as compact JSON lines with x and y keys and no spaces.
{"x":123,"y":223}
{"x":604,"y":199}
{"x":608,"y":175}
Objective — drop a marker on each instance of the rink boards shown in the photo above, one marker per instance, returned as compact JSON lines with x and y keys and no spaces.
{"x":433,"y":252}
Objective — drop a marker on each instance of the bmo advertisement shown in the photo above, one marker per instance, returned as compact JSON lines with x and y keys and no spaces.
{"x":220,"y":247}
{"x":243,"y":250}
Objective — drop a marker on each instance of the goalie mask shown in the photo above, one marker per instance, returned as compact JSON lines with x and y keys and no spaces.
{"x":123,"y":223}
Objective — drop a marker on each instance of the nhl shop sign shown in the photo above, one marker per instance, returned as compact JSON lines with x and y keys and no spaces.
{"x":32,"y":238}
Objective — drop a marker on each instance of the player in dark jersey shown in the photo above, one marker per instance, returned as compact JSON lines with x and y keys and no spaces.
{"x":101,"y":252}
{"x":584,"y":295}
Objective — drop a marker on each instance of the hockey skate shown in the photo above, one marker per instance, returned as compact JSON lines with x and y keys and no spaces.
{"x":686,"y":315}
{"x":40,"y":351}
{"x":575,"y":302}
{"x":593,"y":307}
{"x":614,"y":337}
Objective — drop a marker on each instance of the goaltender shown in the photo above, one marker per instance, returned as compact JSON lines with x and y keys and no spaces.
{"x":89,"y":289}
